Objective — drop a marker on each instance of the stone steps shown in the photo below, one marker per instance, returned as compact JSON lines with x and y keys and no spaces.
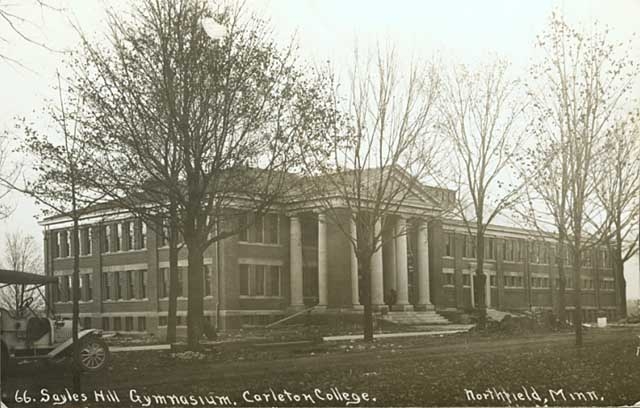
{"x":415,"y":318}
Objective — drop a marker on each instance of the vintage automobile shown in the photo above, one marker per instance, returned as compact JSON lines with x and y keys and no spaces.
{"x":24,"y":334}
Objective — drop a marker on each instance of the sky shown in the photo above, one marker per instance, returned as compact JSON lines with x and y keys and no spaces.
{"x":464,"y":31}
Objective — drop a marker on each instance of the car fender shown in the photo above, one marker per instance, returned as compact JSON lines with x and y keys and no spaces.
{"x":69,"y":342}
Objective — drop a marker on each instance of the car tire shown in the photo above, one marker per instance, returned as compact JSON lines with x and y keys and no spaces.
{"x":92,"y":354}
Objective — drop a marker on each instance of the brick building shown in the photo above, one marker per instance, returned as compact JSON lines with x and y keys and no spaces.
{"x":295,"y":257}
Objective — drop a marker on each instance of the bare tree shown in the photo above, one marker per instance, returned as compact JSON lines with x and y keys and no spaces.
{"x":617,"y":192}
{"x":61,"y":162}
{"x":12,"y":17}
{"x":21,"y":253}
{"x":578,"y":90}
{"x":382,"y":147}
{"x":481,"y":114}
{"x":210,"y":127}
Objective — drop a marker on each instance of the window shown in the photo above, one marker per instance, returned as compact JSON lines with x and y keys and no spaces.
{"x":261,"y":229}
{"x":272,"y":229}
{"x":117,"y":285}
{"x":86,"y":283}
{"x":142,"y":277}
{"x":473,"y":246}
{"x":129,"y":235}
{"x":448,"y":279}
{"x":106,"y":238}
{"x":207,"y":280}
{"x":69,"y":287}
{"x":587,"y":283}
{"x":492,"y":281}
{"x":604,"y":258}
{"x":143,"y":235}
{"x":259,"y":280}
{"x":142,"y":323}
{"x":118,"y":243}
{"x":164,"y":234}
{"x":182,"y":273}
{"x":244,"y":279}
{"x":489,"y":248}
{"x":130,"y":285}
{"x":55,"y":236}
{"x":507,"y":248}
{"x":466,"y":279}
{"x":607,"y":284}
{"x":258,"y":229}
{"x":85,"y":242}
{"x":86,"y":323}
{"x":243,"y":224}
{"x":272,"y":281}
{"x":105,"y":323}
{"x":534,"y":253}
{"x":162,"y":321}
{"x":60,"y":289}
{"x":513,"y":281}
{"x":64,"y":240}
{"x":517,"y":250}
{"x":117,"y":324}
{"x":164,"y":282}
{"x":448,"y":244}
{"x":106,"y":286}
{"x":128,"y":323}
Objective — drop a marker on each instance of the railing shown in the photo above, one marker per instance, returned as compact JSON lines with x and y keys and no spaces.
{"x":289,"y":317}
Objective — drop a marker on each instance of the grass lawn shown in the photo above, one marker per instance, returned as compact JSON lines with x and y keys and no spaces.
{"x":460,"y":370}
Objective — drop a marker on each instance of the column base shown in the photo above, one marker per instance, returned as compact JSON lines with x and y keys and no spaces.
{"x":320,"y":308}
{"x":295,"y":308}
{"x":425,"y":307}
{"x":402,"y":308}
{"x":380,"y":308}
{"x":357,"y":307}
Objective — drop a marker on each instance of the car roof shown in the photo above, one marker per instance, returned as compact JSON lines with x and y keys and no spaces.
{"x":23,"y":278}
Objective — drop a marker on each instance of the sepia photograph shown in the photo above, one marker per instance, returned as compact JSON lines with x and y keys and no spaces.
{"x":332,"y":203}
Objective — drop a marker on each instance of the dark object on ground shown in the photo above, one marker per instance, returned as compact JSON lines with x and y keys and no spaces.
{"x":209,"y":331}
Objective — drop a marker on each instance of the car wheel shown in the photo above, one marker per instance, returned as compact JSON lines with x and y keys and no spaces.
{"x":93,"y":354}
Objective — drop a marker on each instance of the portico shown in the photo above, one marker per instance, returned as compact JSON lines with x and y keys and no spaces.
{"x":339,"y":276}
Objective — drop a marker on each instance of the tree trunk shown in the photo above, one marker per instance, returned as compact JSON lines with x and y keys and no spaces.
{"x":76,"y":302}
{"x":577,"y":297}
{"x":196,"y":302}
{"x":562,"y":304}
{"x":480,"y":280}
{"x":618,"y":271}
{"x":173,"y":275}
{"x":367,"y":320}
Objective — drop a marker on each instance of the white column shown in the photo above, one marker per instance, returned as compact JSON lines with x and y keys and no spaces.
{"x":322,"y":260}
{"x":355,"y":293}
{"x":295,"y":264}
{"x":402,"y":280}
{"x":377,"y":296}
{"x":424,"y":298}
{"x":488,"y":288}
{"x":473,"y":287}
